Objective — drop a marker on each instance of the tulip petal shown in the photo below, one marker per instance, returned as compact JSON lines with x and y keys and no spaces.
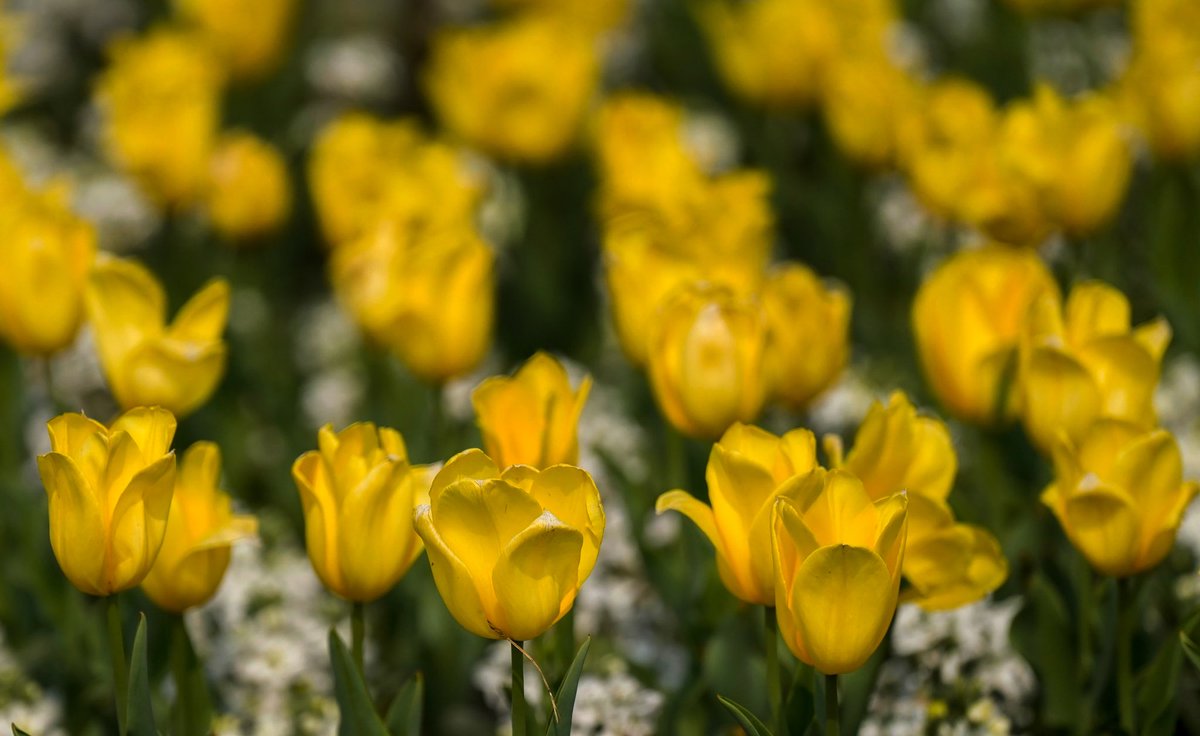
{"x":843,"y":600}
{"x":176,"y":375}
{"x":453,"y":580}
{"x":1154,"y":336}
{"x":376,"y":546}
{"x":477,"y":519}
{"x":792,"y":542}
{"x":76,"y":523}
{"x":139,"y":522}
{"x":313,"y":482}
{"x":1059,"y":395}
{"x":691,"y":507}
{"x":1103,"y":524}
{"x":69,"y":432}
{"x":202,"y":319}
{"x":125,"y":305}
{"x":536,"y":577}
{"x":152,"y":428}
{"x":838,"y":514}
{"x":571,"y":495}
{"x":472,"y":464}
{"x":1095,"y":309}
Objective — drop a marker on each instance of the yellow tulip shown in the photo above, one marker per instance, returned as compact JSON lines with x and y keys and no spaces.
{"x":1083,"y":362}
{"x":48,"y":252}
{"x":594,"y":15}
{"x":864,"y":102}
{"x":517,"y":89}
{"x":200,"y":529}
{"x":838,"y":557}
{"x":706,"y":359}
{"x":359,"y":491}
{"x":249,"y":35}
{"x":531,"y":418}
{"x":747,"y":470}
{"x":160,"y":96}
{"x":12,"y":87}
{"x":1161,"y":85}
{"x":807,"y":334}
{"x":249,"y":194}
{"x":1119,"y":495}
{"x":110,"y":491}
{"x":146,"y":361}
{"x":898,"y":450}
{"x":968,"y":317}
{"x":510,"y":550}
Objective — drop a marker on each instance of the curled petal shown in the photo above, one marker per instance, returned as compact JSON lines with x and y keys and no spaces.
{"x":139,"y":523}
{"x":76,"y":524}
{"x":453,"y":580}
{"x":536,"y":577}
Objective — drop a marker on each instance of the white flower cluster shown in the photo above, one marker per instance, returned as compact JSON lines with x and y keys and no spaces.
{"x":23,"y":703}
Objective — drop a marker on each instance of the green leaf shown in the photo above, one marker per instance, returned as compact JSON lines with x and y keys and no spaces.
{"x":745,"y":718}
{"x":1190,"y":648}
{"x":139,"y":721}
{"x":565,"y":697}
{"x":1045,"y":635}
{"x":18,"y":732}
{"x":358,"y":717}
{"x":191,"y":714}
{"x":404,"y":717}
{"x":800,"y":708}
{"x":1158,"y":691}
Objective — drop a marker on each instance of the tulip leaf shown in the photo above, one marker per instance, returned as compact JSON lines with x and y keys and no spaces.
{"x":139,"y":719}
{"x":18,"y":732}
{"x":800,"y":708}
{"x":1044,"y":634}
{"x":358,"y":716}
{"x":1190,"y":648}
{"x":747,"y":720}
{"x":1158,"y":691}
{"x":192,"y":712}
{"x":404,"y":717}
{"x":565,"y":697}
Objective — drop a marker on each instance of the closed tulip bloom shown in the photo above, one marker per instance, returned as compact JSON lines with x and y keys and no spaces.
{"x":1084,"y":362}
{"x":250,"y":36}
{"x":837,"y":574}
{"x":968,"y":317}
{"x":896,"y":449}
{"x":200,"y":531}
{"x":359,"y":491}
{"x":146,"y":361}
{"x":706,"y":359}
{"x":47,"y":254}
{"x":807,"y":334}
{"x":531,"y":418}
{"x":747,"y":470}
{"x":510,"y":550}
{"x":1119,"y":495}
{"x":110,"y":490}
{"x":249,"y":194}
{"x":948,"y":564}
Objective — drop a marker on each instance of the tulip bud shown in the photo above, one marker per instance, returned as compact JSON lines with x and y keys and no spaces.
{"x":747,"y":470}
{"x":807,"y":340}
{"x":837,"y":574}
{"x":968,"y":317}
{"x":359,"y":491}
{"x":518,"y":89}
{"x":249,"y":35}
{"x":510,"y":550}
{"x":48,"y":253}
{"x":200,"y":530}
{"x":146,"y":361}
{"x":249,"y":194}
{"x":706,"y":359}
{"x":109,"y":490}
{"x":1119,"y":495}
{"x":532,"y":418}
{"x":1084,"y":362}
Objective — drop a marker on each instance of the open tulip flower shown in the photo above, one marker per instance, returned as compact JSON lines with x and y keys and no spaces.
{"x":509,"y":550}
{"x":146,"y":361}
{"x":1084,"y":362}
{"x":359,"y":491}
{"x":747,"y":470}
{"x":110,"y":491}
{"x":1119,"y":495}
{"x":200,"y":530}
{"x":531,"y":418}
{"x":837,"y":573}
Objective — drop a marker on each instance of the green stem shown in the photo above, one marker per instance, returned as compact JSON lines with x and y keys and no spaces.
{"x":774,"y":684}
{"x":832,"y":721}
{"x":1125,"y":623}
{"x":358,"y":631}
{"x":120,"y":663}
{"x":518,"y":690}
{"x":1084,"y":616}
{"x":676,"y":457}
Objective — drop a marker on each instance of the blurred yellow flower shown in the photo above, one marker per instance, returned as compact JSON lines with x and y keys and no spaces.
{"x":250,"y":36}
{"x":706,"y":359}
{"x":160,"y":97}
{"x":1119,"y":495}
{"x":200,"y":530}
{"x":109,"y":490}
{"x":146,"y":361}
{"x":1084,"y":362}
{"x":948,"y":564}
{"x":359,"y":492}
{"x":595,"y":15}
{"x":865,"y":100}
{"x":12,"y":88}
{"x":510,"y":550}
{"x":968,"y":317}
{"x":47,"y":254}
{"x":747,"y":470}
{"x":426,"y":296}
{"x":517,"y":89}
{"x":807,"y":334}
{"x":838,"y":557}
{"x":249,"y":194}
{"x":531,"y":418}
